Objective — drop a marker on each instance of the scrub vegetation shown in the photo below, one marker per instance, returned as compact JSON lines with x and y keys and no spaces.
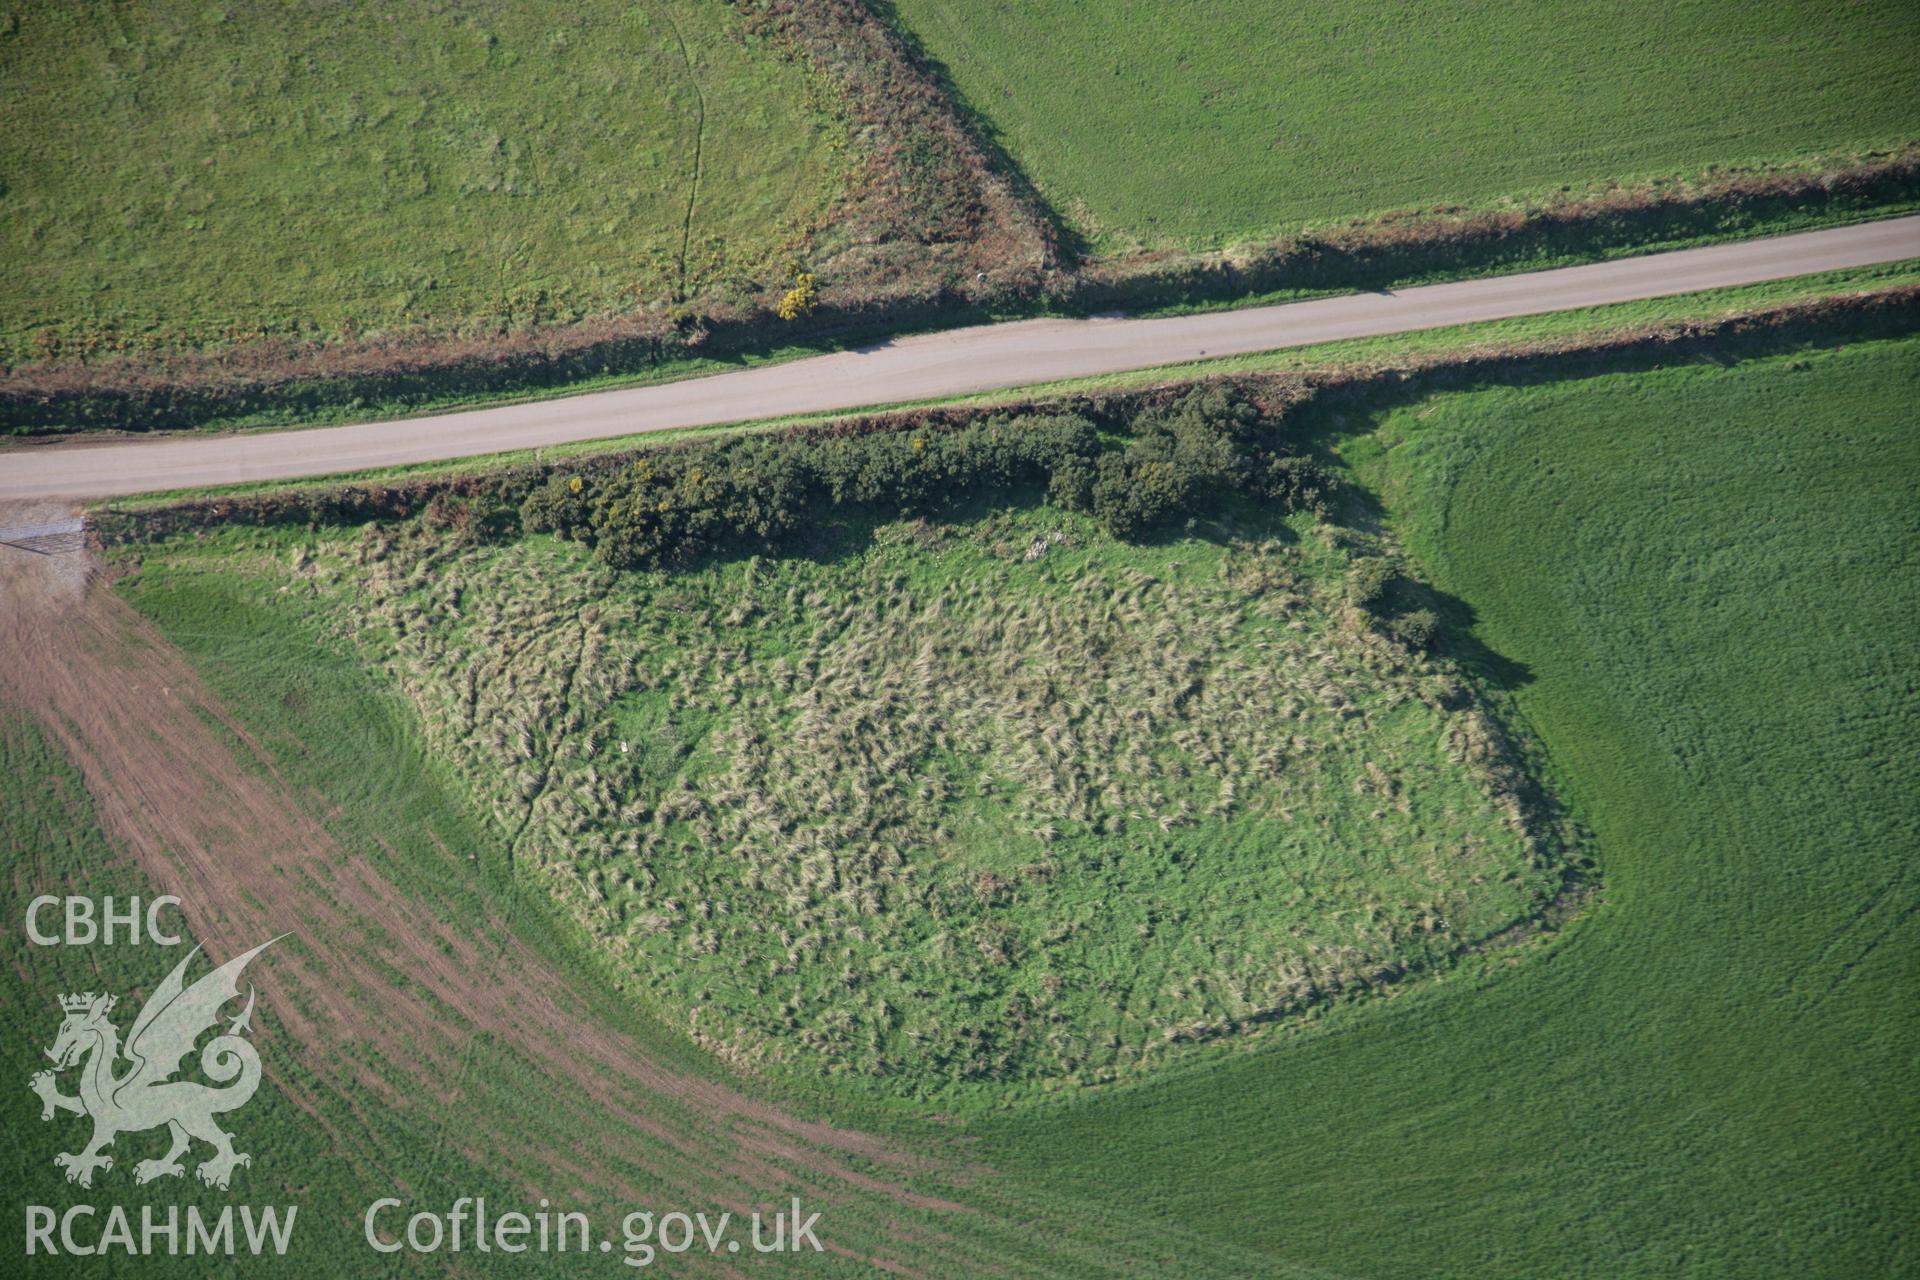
{"x":1692,"y":581}
{"x":1414,"y":809}
{"x":987,"y":801}
{"x":1179,"y":458}
{"x":1684,"y":583}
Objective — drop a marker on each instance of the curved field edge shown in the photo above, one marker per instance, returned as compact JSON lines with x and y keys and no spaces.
{"x":373,"y":1106}
{"x":1690,"y":579}
{"x":323,"y":1141}
{"x":1027,"y":807}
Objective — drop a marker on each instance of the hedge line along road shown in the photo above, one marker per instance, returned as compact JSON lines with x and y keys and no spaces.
{"x":956,"y":362}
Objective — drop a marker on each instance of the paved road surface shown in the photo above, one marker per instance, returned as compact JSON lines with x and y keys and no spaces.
{"x":940,"y":364}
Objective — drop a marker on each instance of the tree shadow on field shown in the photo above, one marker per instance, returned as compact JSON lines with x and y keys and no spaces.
{"x":1343,"y":412}
{"x":1238,"y":517}
{"x":1457,"y":636}
{"x":1319,"y":428}
{"x":835,"y":535}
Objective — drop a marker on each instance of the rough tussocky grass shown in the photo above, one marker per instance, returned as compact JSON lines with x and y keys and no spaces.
{"x":214,"y":172}
{"x":1196,"y":124}
{"x":332,"y":1132}
{"x":991,"y":803}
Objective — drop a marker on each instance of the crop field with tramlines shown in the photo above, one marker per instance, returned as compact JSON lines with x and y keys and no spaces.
{"x":1693,"y":581}
{"x":1200,"y":123}
{"x":998,"y":800}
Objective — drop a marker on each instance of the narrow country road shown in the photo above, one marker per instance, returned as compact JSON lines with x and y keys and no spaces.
{"x":956,"y":362}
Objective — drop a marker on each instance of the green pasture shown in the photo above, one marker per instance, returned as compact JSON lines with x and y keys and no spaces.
{"x":1691,"y":585}
{"x":1198,"y":123}
{"x":1696,"y":583}
{"x":202,"y":172}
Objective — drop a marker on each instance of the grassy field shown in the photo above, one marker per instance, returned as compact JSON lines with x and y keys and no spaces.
{"x":176,"y":169}
{"x":1029,"y":805}
{"x":1195,"y":124}
{"x":352,"y":750}
{"x":331,"y":1150}
{"x":1697,"y":583}
{"x":338,"y":732}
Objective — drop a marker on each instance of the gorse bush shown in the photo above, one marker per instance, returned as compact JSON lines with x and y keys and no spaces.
{"x":802,"y":297}
{"x":675,"y":505}
{"x":1368,"y":580}
{"x":1415,"y":629}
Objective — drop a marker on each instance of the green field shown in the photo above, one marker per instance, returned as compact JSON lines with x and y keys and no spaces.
{"x":54,"y":845}
{"x":1196,"y":124}
{"x":332,"y":1134}
{"x":210,"y":171}
{"x":1697,"y":583}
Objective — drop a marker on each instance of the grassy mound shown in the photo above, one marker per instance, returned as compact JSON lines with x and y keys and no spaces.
{"x":1000,"y":800}
{"x":1196,"y":124}
{"x":181,"y":170}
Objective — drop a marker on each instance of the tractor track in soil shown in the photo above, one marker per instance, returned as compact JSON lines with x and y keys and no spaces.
{"x":182,"y":789}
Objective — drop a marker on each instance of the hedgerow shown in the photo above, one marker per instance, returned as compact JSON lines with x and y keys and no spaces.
{"x":668,"y":508}
{"x":900,"y":282}
{"x":1294,"y":481}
